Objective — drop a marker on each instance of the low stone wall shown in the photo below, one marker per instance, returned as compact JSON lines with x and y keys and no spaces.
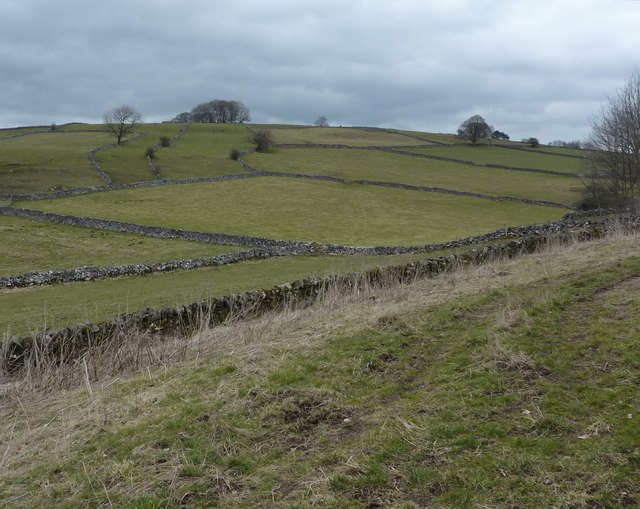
{"x":93,"y":273}
{"x":291,"y":247}
{"x":473,"y":163}
{"x":70,"y":342}
{"x":115,"y":187}
{"x":94,"y":163}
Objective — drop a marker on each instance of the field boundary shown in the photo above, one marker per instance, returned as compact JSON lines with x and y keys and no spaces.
{"x":70,"y":342}
{"x":88,"y":273}
{"x":264,"y":247}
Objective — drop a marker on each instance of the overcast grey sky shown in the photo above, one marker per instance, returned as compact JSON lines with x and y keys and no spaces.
{"x":530,"y":68}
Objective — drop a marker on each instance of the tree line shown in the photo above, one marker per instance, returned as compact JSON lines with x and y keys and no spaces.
{"x":218,"y":111}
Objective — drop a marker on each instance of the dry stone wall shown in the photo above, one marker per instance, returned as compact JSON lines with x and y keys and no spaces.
{"x":72,"y":341}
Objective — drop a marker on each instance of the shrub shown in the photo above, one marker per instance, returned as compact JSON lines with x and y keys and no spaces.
{"x":165,"y":141}
{"x":150,"y":153}
{"x":234,"y":155}
{"x":262,"y":140}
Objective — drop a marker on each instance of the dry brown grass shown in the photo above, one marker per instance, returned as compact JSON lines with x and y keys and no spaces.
{"x":50,"y":409}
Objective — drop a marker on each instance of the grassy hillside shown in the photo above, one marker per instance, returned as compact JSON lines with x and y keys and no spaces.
{"x":39,"y":246}
{"x":343,"y":136}
{"x":128,"y":163}
{"x":204,"y":152}
{"x":26,"y":310}
{"x":513,"y":384}
{"x":293,"y":209}
{"x":492,"y":154}
{"x":382,"y":166}
{"x":48,"y":161}
{"x":274,"y":207}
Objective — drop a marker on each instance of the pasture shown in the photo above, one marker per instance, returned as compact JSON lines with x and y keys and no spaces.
{"x":512,"y":384}
{"x":353,"y":164}
{"x":48,"y":161}
{"x":351,"y":136}
{"x":297,"y":209}
{"x":40,"y":246}
{"x":203,"y":152}
{"x":272,"y":207}
{"x":504,"y":155}
{"x":25,"y":310}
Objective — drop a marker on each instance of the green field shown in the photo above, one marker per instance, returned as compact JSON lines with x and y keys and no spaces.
{"x":28,"y":309}
{"x":41,"y":246}
{"x":48,"y":162}
{"x":500,"y":386}
{"x":382,"y":166}
{"x":272,"y":207}
{"x":292,"y":209}
{"x":204,"y":152}
{"x":128,"y":162}
{"x":342,"y":136}
{"x":489,"y":154}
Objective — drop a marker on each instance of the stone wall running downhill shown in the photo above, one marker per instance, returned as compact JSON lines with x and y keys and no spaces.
{"x":71,"y":342}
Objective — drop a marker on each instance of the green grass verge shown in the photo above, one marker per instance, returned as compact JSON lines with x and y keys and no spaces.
{"x":38,"y":246}
{"x":204,"y":151}
{"x":343,"y":136}
{"x":489,"y":154}
{"x":382,"y":166}
{"x":524,"y":396}
{"x":295,"y":209}
{"x":34,"y":308}
{"x":128,"y":162}
{"x":48,"y":162}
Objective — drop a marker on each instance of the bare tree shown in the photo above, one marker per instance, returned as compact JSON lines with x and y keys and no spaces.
{"x":121,"y":121}
{"x":614,"y":145}
{"x":321,"y":121}
{"x":475,"y":129}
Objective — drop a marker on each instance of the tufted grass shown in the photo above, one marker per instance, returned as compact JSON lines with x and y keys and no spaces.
{"x":204,"y":151}
{"x":491,"y":154}
{"x":294,"y":209}
{"x":26,"y":309}
{"x":48,"y":162}
{"x":38,"y":246}
{"x":381,"y":166}
{"x":513,"y":384}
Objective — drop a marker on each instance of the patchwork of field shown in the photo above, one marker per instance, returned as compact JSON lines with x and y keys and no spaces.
{"x":40,"y":246}
{"x":343,"y":136}
{"x":25,"y":310}
{"x":48,"y":161}
{"x":493,"y":154}
{"x":204,"y":152}
{"x":387,"y":167}
{"x":128,"y":162}
{"x":296,"y":208}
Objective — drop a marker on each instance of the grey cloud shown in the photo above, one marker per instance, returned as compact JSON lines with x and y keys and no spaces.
{"x":530,"y":69}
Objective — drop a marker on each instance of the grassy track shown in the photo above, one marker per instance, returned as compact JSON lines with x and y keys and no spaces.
{"x":48,"y":161}
{"x":204,"y":152}
{"x":487,"y":154}
{"x":381,"y":166}
{"x":128,"y":163}
{"x":503,"y":386}
{"x":34,"y":246}
{"x":26,"y":309}
{"x":306,"y":210}
{"x":342,"y":136}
